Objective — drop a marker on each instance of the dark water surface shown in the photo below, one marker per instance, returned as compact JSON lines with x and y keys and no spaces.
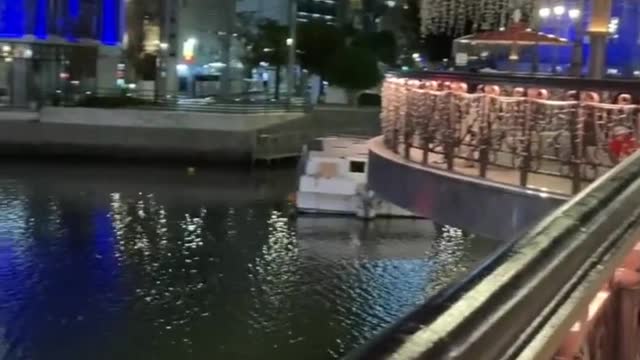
{"x":129,"y":262}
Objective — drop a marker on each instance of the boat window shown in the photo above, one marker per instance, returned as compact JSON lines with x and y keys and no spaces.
{"x":357,"y":167}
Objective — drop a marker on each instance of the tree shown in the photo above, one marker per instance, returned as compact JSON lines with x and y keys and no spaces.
{"x":383,"y":44}
{"x":354,"y":69}
{"x":147,"y":67}
{"x":270,"y":46}
{"x":317,"y":45}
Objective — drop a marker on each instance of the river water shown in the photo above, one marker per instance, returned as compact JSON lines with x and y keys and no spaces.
{"x":130,"y":262}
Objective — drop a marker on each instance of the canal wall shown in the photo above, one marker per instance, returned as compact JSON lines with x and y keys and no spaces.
{"x":120,"y":142}
{"x":479,"y":206}
{"x":158,"y":119}
{"x":150,"y":134}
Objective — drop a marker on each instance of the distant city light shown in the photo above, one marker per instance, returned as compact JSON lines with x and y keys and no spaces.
{"x":613,"y":25}
{"x":574,"y":13}
{"x":559,"y":10}
{"x":189,"y":49}
{"x":544,"y":12}
{"x":182,"y":69}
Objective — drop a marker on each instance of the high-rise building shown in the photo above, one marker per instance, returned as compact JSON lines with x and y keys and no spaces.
{"x":200,"y":54}
{"x":277,"y":10}
{"x":328,"y":11}
{"x":48,"y":46}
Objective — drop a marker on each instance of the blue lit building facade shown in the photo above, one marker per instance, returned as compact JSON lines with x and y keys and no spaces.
{"x":49,"y":46}
{"x":623,"y":48}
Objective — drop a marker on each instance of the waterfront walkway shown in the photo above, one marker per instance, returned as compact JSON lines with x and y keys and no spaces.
{"x":500,"y":174}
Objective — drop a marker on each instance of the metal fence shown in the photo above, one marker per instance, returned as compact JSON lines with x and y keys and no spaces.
{"x":140,"y":99}
{"x":565,"y":130}
{"x":290,"y":144}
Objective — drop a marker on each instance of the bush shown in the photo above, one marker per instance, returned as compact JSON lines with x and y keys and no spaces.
{"x":354,"y":69}
{"x":369,"y":99}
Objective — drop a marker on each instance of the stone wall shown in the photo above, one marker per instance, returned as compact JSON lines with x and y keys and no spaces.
{"x":163,"y":119}
{"x":146,"y":134}
{"x":56,"y":139}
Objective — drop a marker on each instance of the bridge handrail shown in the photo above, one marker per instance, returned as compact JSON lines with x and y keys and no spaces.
{"x":565,"y":134}
{"x":526,"y":303}
{"x":528,"y":80}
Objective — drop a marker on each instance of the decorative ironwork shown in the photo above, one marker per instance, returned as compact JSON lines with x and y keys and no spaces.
{"x":535,"y":131}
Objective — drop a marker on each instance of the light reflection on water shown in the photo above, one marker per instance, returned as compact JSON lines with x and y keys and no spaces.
{"x":127,"y":263}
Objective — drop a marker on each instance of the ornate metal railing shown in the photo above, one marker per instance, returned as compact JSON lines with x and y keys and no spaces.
{"x":575,"y":129}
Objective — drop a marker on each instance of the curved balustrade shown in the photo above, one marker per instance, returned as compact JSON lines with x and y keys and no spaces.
{"x":568,"y":289}
{"x":555,"y":132}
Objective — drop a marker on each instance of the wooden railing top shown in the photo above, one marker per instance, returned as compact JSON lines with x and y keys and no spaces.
{"x":521,"y":79}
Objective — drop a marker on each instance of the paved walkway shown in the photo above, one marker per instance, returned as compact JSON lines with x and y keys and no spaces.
{"x":503,"y":175}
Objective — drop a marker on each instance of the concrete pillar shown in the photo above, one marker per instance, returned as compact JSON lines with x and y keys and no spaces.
{"x":597,"y":55}
{"x":167,"y":77}
{"x":598,"y":32}
{"x":107,"y":68}
{"x":20,"y":82}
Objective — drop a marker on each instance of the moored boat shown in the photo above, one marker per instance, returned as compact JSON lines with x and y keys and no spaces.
{"x":333,"y":180}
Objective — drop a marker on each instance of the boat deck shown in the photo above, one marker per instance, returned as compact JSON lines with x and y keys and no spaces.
{"x":340,"y":147}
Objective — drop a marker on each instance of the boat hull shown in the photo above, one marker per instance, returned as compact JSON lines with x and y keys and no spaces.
{"x":348,"y":205}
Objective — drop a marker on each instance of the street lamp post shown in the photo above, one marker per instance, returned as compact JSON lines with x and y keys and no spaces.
{"x":291,"y":46}
{"x":576,"y":55}
{"x":574,"y":14}
{"x":542,"y":14}
{"x":558,"y":11}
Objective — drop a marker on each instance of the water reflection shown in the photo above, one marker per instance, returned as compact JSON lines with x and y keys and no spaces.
{"x":130,"y":263}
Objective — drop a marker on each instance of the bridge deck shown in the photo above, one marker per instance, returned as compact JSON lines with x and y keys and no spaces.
{"x":499,"y":174}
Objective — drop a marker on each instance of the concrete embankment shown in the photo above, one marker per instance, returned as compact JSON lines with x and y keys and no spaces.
{"x":146,"y":134}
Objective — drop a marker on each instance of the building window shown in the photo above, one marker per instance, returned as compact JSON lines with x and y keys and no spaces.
{"x":357,"y":167}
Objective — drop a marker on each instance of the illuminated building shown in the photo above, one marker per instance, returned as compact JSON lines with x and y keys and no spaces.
{"x":51,"y":46}
{"x":622,"y":55}
{"x":277,"y":10}
{"x":206,"y":50}
{"x":327,"y":11}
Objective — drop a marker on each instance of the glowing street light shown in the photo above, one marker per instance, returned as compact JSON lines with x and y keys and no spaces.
{"x":559,"y":10}
{"x":574,"y":14}
{"x":544,"y":12}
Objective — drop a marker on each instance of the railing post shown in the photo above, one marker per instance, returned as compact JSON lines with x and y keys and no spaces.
{"x":427,"y":136}
{"x":576,"y":153}
{"x":407,"y":129}
{"x":394,"y":139}
{"x":484,"y":140}
{"x":527,"y":124}
{"x":449,"y":142}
